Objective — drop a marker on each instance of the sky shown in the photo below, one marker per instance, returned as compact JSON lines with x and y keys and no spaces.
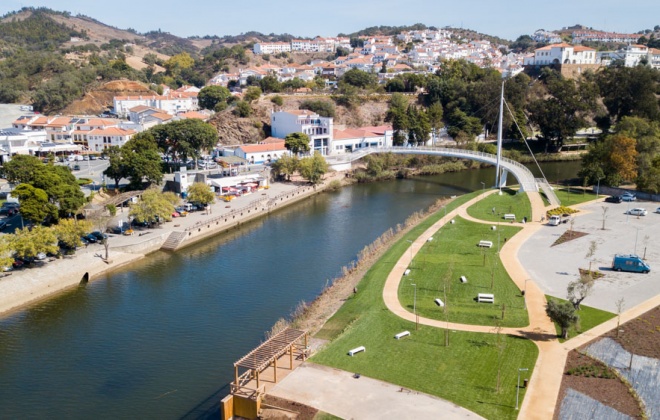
{"x":507,"y":19}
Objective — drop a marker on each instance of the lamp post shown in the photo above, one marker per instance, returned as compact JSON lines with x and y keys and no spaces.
{"x":598,"y":187}
{"x":415,"y":305}
{"x":636,"y":235}
{"x":518,"y":388}
{"x":628,"y":211}
{"x":483,"y":188}
{"x":411,"y":253}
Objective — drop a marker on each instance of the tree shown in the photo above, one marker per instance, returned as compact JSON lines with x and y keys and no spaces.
{"x":629,"y":91}
{"x":434,"y":114}
{"x":277,"y":100}
{"x":34,"y":203}
{"x":321,"y":107}
{"x":297,"y":143}
{"x":30,"y":242}
{"x":210,"y":96}
{"x":562,"y":313}
{"x":6,"y":250}
{"x":270,"y":84}
{"x":591,"y":252}
{"x":359,"y":78}
{"x":21,"y":169}
{"x":285,"y":166}
{"x":579,"y":290}
{"x":142,"y":160}
{"x":200,"y":193}
{"x":178,"y":62}
{"x":69,"y":231}
{"x":252,"y":93}
{"x":614,"y":157}
{"x":313,"y":168}
{"x":184,"y":139}
{"x":418,"y":125}
{"x":153,"y":206}
{"x":242,"y":109}
{"x":397,"y":115}
{"x":116,"y":169}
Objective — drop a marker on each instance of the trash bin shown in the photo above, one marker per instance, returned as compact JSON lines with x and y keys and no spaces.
{"x":525,"y":382}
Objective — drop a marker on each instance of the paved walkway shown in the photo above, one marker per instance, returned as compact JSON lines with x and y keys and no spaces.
{"x":545,"y":383}
{"x":338,"y":392}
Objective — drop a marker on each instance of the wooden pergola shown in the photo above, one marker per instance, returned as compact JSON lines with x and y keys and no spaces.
{"x":262,"y":357}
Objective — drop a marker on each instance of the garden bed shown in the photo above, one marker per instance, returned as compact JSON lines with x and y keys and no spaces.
{"x":569,"y":235}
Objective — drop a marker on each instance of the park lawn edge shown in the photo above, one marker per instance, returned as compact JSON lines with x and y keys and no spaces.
{"x":466,"y":371}
{"x":589,"y":318}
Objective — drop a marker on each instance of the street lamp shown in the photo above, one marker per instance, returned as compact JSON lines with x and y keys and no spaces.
{"x":483,"y":188}
{"x":411,"y":251}
{"x":598,"y":187}
{"x":415,"y":305}
{"x":518,"y":388}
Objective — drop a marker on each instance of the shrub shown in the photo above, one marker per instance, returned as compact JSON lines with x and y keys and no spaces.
{"x":321,"y":107}
{"x":334,"y":185}
{"x":242,"y":109}
{"x":277,"y":100}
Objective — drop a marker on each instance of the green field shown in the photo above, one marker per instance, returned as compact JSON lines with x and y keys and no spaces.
{"x":572,"y":196}
{"x":589,"y":318}
{"x":452,"y":253}
{"x":508,"y":202}
{"x":464,"y":373}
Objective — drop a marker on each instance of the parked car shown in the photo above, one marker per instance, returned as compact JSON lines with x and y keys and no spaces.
{"x":628,"y":197}
{"x":100,"y":236}
{"x":637,"y":211}
{"x":614,"y":199}
{"x":41,"y":256}
{"x":3,"y":224}
{"x":76,"y":167}
{"x":18,"y":263}
{"x":90,"y":238}
{"x":175,"y":214}
{"x":657,"y":210}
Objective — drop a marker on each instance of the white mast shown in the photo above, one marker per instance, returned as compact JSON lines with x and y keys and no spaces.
{"x":499,"y":138}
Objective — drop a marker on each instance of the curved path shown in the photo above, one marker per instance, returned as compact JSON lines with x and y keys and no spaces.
{"x":546,"y":378}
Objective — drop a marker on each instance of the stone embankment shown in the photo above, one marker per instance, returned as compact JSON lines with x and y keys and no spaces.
{"x":24,"y":287}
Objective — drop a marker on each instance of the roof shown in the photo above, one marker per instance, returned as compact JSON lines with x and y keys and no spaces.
{"x":194,"y":115}
{"x":551,"y":46}
{"x":302,"y":112}
{"x":260,"y":148}
{"x":163,"y":116}
{"x":579,"y":48}
{"x":111,"y":131}
{"x":262,"y":356}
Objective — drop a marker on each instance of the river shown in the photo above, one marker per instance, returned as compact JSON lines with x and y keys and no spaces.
{"x":158,"y":339}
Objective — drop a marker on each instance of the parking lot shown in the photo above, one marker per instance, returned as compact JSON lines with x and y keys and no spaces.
{"x":553,"y":267}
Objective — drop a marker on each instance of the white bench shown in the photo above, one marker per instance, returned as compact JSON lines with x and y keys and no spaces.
{"x":439,"y":303}
{"x":405,"y":273}
{"x":486,"y":297}
{"x":402,"y":334}
{"x":463,"y":279}
{"x":429,"y":239}
{"x":509,"y":216}
{"x":486,"y":244}
{"x":356,"y":350}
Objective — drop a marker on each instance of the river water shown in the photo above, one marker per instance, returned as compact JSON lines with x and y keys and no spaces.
{"x":158,"y":339}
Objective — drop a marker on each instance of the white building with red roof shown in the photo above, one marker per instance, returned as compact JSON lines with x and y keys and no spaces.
{"x":172,"y":104}
{"x":100,"y":139}
{"x":319,"y":129}
{"x":351,"y":139}
{"x":265,"y":152}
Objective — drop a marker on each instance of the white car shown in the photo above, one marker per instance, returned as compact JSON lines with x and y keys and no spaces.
{"x":637,"y":212}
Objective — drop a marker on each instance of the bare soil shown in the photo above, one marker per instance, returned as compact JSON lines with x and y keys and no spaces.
{"x":569,"y":235}
{"x":609,"y":391}
{"x":291,"y":409}
{"x":640,"y":336}
{"x":99,"y":98}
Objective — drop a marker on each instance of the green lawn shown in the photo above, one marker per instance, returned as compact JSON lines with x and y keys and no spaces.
{"x":325,"y":416}
{"x":589,"y":318}
{"x":572,"y":196}
{"x":508,"y":202}
{"x":464,"y":373}
{"x":454,"y":253}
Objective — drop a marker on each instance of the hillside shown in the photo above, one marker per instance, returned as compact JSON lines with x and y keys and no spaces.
{"x":99,"y":99}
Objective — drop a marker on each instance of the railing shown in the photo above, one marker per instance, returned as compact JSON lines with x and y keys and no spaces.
{"x":232,"y":214}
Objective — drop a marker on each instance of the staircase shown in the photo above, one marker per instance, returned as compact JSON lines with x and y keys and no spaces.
{"x":174,"y":240}
{"x":548,"y":191}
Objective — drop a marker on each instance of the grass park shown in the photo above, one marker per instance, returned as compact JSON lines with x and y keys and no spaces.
{"x":453,"y":252}
{"x":461,"y":367}
{"x":465,"y":371}
{"x":571,"y":196}
{"x":589,"y":318}
{"x":493,"y":207}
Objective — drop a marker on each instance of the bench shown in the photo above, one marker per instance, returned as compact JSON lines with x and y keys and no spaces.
{"x":402,"y":334}
{"x":486,"y":244}
{"x":356,"y":350}
{"x":509,"y":216}
{"x":486,"y":297}
{"x":430,"y":239}
{"x":463,"y":279}
{"x":439,"y":303}
{"x":405,"y":273}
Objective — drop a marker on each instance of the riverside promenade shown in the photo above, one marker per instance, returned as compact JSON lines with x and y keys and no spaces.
{"x":543,"y":389}
{"x":21,"y":288}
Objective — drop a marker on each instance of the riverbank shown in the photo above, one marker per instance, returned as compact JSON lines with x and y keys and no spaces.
{"x":28,"y":286}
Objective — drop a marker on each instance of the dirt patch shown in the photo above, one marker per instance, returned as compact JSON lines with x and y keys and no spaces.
{"x":569,"y":235}
{"x":274,"y":408}
{"x":596,"y":380}
{"x":640,"y":336}
{"x":100,"y":97}
{"x":593,"y":274}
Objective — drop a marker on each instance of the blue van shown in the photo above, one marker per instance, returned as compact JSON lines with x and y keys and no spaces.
{"x":630,"y":263}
